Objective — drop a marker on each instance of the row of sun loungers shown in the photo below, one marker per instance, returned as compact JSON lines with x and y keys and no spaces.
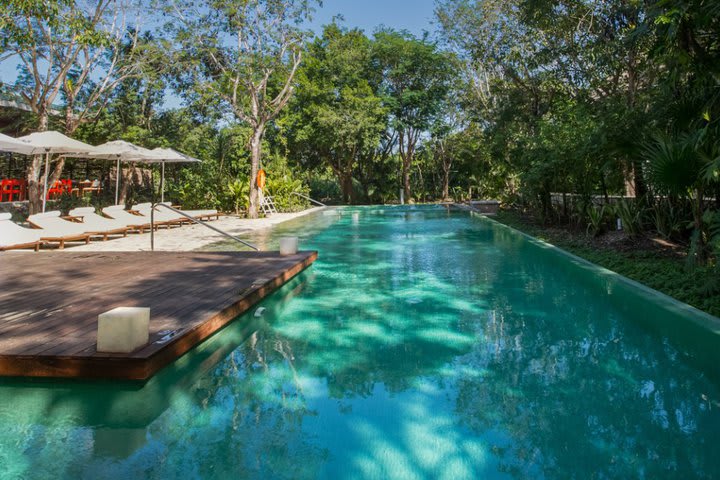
{"x":83,"y":224}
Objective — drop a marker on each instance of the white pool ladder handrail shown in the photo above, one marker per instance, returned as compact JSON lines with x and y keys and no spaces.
{"x":192,"y":219}
{"x":308,"y":198}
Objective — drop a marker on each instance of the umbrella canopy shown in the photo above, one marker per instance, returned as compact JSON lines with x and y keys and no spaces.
{"x":168,"y":155}
{"x":9,"y":144}
{"x":120,"y":150}
{"x":55,"y":142}
{"x":50,"y":142}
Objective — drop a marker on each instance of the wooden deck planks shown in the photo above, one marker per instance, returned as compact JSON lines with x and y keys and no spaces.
{"x":49,"y":303}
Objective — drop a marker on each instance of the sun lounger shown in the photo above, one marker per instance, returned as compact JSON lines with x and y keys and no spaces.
{"x":55,"y":229}
{"x":14,"y":236}
{"x":136,"y":222}
{"x":87,"y":217}
{"x":161,"y":216}
{"x":208,"y":214}
{"x":53,"y":222}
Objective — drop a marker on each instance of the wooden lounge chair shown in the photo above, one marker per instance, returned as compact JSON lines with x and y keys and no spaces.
{"x":57,"y":230}
{"x":138,"y":222}
{"x":14,"y":236}
{"x":162,"y":216}
{"x":53,"y":221}
{"x":208,"y":214}
{"x":87,"y":217}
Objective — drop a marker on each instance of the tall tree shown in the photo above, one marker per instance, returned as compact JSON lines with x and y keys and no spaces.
{"x":245,"y":53}
{"x":337,"y":116}
{"x":416,"y":81}
{"x":74,"y":50}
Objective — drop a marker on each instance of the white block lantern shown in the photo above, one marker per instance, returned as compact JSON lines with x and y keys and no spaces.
{"x":123,"y":329}
{"x":288,"y":245}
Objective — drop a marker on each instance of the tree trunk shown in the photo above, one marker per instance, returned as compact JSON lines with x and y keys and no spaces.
{"x":70,"y":126}
{"x":446,"y":181}
{"x":639,"y":181}
{"x":406,"y":180}
{"x":406,"y":154}
{"x":126,"y":180}
{"x":256,"y":152}
{"x":346,"y":186}
{"x":698,"y":209}
{"x":35,"y":189}
{"x":446,"y":187}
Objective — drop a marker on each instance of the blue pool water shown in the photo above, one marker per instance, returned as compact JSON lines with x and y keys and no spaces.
{"x":423,"y":343}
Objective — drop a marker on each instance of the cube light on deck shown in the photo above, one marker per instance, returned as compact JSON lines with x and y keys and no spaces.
{"x":288,"y":245}
{"x":123,"y":329}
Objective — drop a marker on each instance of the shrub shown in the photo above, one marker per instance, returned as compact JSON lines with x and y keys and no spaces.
{"x":597,"y":220}
{"x":630,"y":214}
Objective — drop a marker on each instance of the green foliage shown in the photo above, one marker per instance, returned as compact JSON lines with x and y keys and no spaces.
{"x":597,"y":220}
{"x":238,"y":191}
{"x":630,"y":214}
{"x":67,"y":202}
{"x":587,"y":98}
{"x":417,"y":78}
{"x":282,"y":183}
{"x":667,"y":219}
{"x":674,"y":164}
{"x":666,"y":273}
{"x":337,"y":118}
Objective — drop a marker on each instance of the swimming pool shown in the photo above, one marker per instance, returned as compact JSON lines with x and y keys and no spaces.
{"x":423,"y":343}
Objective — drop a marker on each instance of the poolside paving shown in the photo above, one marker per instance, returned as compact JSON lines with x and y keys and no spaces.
{"x":49,"y":304}
{"x":189,"y":237}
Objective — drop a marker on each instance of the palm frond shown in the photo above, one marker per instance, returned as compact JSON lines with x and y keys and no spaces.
{"x":674,"y":164}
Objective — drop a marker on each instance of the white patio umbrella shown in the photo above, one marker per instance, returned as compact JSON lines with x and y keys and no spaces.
{"x":10,"y":144}
{"x":51,"y":142}
{"x":168,"y":155}
{"x":120,"y":150}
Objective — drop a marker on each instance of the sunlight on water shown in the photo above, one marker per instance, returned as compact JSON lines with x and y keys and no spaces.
{"x":422,"y":344}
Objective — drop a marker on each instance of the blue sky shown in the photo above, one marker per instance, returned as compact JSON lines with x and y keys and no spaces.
{"x":412,"y":15}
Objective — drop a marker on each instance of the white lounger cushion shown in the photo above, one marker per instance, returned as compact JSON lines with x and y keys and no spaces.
{"x":13,"y":234}
{"x":196,"y":213}
{"x":92,"y":220}
{"x":81,"y":211}
{"x":160,"y":215}
{"x":119,"y":213}
{"x":200,"y":213}
{"x":54,"y":226}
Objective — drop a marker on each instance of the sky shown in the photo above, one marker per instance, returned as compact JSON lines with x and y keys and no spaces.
{"x":412,"y":15}
{"x":415,"y":16}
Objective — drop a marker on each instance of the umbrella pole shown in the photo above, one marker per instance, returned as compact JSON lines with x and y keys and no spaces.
{"x":152,"y":210}
{"x":162,"y":183}
{"x":45,"y":189}
{"x":117,"y":181}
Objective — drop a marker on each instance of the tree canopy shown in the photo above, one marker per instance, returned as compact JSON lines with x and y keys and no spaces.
{"x":525,"y":101}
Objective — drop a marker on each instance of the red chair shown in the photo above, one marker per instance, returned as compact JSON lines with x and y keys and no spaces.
{"x":6,"y":191}
{"x":12,"y":190}
{"x":55,"y":190}
{"x":60,"y":187}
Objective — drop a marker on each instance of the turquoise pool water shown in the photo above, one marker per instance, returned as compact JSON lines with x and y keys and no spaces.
{"x":423,"y":343}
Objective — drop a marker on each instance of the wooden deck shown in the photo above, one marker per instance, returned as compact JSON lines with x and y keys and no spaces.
{"x":49,"y":304}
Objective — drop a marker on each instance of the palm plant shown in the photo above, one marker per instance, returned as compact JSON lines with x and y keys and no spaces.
{"x":630,"y":215}
{"x":684,"y":165}
{"x":596,"y":220}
